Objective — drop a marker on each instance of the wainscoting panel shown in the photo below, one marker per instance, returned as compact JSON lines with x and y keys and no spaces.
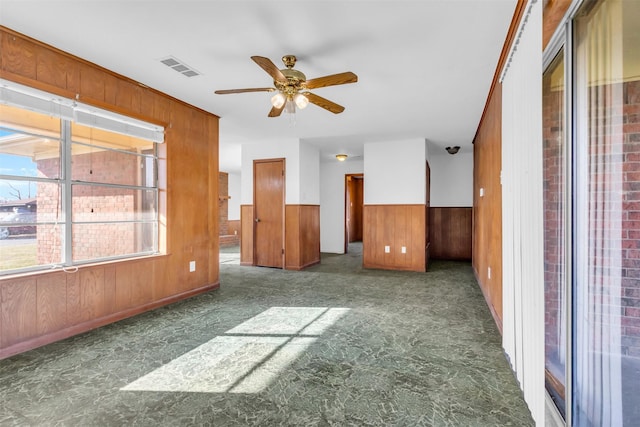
{"x":450,"y":233}
{"x":302,"y":236}
{"x":395,"y":227}
{"x":246,"y":237}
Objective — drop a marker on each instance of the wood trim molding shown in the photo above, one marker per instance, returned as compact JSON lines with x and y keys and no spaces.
{"x":506,"y":47}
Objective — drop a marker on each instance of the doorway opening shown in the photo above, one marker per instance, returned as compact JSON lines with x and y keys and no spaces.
{"x":354,"y":206}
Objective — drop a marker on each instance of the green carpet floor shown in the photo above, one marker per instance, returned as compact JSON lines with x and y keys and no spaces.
{"x":333,"y":345}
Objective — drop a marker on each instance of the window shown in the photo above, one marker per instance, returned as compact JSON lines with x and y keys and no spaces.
{"x":77,"y":184}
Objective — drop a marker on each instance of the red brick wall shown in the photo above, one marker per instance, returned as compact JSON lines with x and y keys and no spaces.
{"x":553,"y":196}
{"x":92,"y":203}
{"x":615,"y":161}
{"x":631,"y":221}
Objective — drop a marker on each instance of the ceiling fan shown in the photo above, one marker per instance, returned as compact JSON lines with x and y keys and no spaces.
{"x":293,"y":87}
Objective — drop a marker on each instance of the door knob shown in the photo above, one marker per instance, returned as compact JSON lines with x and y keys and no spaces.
{"x":257,"y":219}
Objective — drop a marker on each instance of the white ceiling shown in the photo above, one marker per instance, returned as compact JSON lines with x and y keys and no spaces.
{"x":424,"y":67}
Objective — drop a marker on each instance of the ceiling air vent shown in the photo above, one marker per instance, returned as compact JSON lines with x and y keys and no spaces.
{"x":180,"y":66}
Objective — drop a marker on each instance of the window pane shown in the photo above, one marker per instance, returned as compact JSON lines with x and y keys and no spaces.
{"x":25,"y":121}
{"x":92,"y":241}
{"x":555,"y":208}
{"x":606,"y":379}
{"x":95,"y":203}
{"x":38,"y":202}
{"x":107,"y":157}
{"x":28,"y":246}
{"x":95,"y":164}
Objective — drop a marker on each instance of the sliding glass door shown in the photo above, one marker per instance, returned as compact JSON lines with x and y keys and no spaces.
{"x":606,"y":318}
{"x":591,"y":136}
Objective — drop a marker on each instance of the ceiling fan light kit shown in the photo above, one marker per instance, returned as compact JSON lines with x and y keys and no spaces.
{"x":293,"y":87}
{"x":341,"y":157}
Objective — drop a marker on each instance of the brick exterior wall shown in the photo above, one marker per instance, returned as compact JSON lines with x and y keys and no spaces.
{"x":553,"y":196}
{"x":614,"y":163}
{"x":92,"y":203}
{"x":631,"y":221}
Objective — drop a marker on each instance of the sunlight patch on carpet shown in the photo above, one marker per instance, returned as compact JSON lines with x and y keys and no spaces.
{"x":248,"y":357}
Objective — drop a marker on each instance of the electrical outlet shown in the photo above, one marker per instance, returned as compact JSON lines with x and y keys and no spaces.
{"x":387,"y":249}
{"x":481,"y":192}
{"x":192,"y":266}
{"x":403,"y":249}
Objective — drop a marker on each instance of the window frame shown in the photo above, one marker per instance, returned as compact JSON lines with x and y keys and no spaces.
{"x":29,"y":99}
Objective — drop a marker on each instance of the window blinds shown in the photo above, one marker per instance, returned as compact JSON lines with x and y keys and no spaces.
{"x":17,"y":95}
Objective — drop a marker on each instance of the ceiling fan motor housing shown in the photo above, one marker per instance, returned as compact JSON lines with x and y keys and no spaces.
{"x":295,"y":82}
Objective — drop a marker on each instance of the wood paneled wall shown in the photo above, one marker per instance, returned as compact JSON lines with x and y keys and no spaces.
{"x":487,"y":210}
{"x":39,"y":308}
{"x":450,"y":233}
{"x":394,"y":226}
{"x":246,"y":236}
{"x":487,"y":216}
{"x":487,"y":165}
{"x":302,"y":236}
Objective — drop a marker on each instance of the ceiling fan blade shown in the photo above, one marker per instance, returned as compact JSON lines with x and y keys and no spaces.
{"x":275,"y":112}
{"x":253,"y":89}
{"x":270,"y":68}
{"x":324,"y":103}
{"x":332,"y":80}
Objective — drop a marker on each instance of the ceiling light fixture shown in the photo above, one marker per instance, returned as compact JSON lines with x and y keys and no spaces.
{"x":453,"y":150}
{"x":301,"y":101}
{"x":278,"y":100}
{"x":341,"y":157}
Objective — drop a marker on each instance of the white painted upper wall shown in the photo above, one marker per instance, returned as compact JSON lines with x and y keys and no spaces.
{"x":302,"y":169}
{"x":451,"y":179}
{"x":332,"y":200}
{"x":285,"y":148}
{"x":395,"y":172}
{"x":309,"y":174}
{"x":234,"y":193}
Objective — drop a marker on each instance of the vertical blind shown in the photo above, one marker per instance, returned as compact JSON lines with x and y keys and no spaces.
{"x":522,"y":234}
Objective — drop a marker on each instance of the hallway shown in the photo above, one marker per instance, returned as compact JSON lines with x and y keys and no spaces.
{"x":333,"y":345}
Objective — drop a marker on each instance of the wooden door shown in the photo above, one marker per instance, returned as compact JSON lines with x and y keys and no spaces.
{"x":354,"y":202}
{"x":268,"y":211}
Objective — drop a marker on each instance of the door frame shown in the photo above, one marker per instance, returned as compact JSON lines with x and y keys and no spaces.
{"x":284,"y":202}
